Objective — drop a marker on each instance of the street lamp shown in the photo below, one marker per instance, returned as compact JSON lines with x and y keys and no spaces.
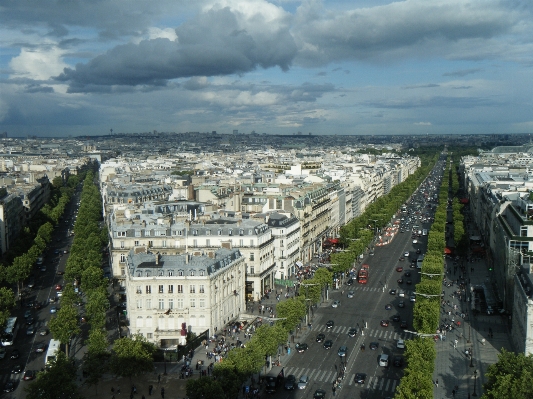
{"x":469,"y":331}
{"x":471,"y":358}
{"x":475,"y":383}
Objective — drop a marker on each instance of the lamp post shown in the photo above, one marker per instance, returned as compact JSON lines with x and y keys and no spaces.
{"x":475,"y":383}
{"x":469,"y":332}
{"x":471,"y":358}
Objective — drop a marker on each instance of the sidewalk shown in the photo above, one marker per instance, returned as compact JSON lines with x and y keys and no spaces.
{"x":453,"y":368}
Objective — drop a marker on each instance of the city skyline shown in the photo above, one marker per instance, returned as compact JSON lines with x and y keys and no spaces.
{"x":275,"y":67}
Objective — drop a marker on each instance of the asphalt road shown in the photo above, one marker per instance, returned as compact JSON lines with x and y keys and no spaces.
{"x":366,"y":308}
{"x":41,"y":292}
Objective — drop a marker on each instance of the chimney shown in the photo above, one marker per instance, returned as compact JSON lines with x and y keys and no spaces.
{"x":157,"y":258}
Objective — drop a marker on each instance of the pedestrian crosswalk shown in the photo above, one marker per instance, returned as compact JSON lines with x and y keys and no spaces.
{"x":383,"y":333}
{"x":378,"y":289}
{"x":325,"y":376}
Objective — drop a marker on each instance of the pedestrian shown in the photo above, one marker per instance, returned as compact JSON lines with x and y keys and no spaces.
{"x":483,"y":341}
{"x":158,"y":378}
{"x":112,"y":390}
{"x":151,"y":387}
{"x":437,"y":383}
{"x":118,"y":390}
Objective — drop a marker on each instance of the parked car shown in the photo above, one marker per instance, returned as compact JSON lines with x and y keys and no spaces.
{"x":29,"y":375}
{"x":301,"y":347}
{"x":290,"y":382}
{"x":10,"y":386}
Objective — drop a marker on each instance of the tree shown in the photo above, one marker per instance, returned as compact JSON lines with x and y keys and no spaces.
{"x":132,"y":356}
{"x":7,"y":302}
{"x":57,"y":182}
{"x":96,"y":359}
{"x":510,"y":377}
{"x":65,"y":325}
{"x":92,"y":278}
{"x":292,"y":311}
{"x":97,"y":304}
{"x":58,"y":382}
{"x":204,"y":388}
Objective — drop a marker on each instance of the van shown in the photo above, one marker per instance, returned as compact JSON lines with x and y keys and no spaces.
{"x":424,"y":232}
{"x":384,"y":360}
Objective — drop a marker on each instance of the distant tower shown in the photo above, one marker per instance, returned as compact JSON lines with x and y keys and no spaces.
{"x":111,"y":130}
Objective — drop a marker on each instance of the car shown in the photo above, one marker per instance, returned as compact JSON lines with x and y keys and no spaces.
{"x":384,"y":360}
{"x":384,"y":323}
{"x":17,"y":369}
{"x":2,"y":352}
{"x":401,"y":259}
{"x":400,"y":281}
{"x":319,"y":394}
{"x":406,"y":254}
{"x":9,"y":386}
{"x":30,"y":320}
{"x":396,"y":318}
{"x":56,"y":252}
{"x":374,"y":346}
{"x":43,"y":268}
{"x":360,"y":378}
{"x":15,"y":354}
{"x":40,"y":347}
{"x":418,"y":251}
{"x":400,"y":344}
{"x":401,"y":293}
{"x":343,"y":350}
{"x":37,"y":305}
{"x":408,"y":282}
{"x":27,"y":313}
{"x":53,"y":309}
{"x":65,"y":251}
{"x":407,"y":274}
{"x":29,"y":375}
{"x":328,"y":344}
{"x":349,"y":282}
{"x":330,"y":324}
{"x":336,"y":304}
{"x":352,"y":332}
{"x":58,"y":287}
{"x":30,"y":330}
{"x":271,"y":384}
{"x":412,"y":298}
{"x":43,"y":331}
{"x":397,"y":361}
{"x":415,"y":241}
{"x":302,"y":382}
{"x":399,"y":269}
{"x":388,"y":306}
{"x":60,"y":273}
{"x":301,"y":347}
{"x":401,"y":304}
{"x":290,"y":382}
{"x":403,"y":324}
{"x":59,"y":294}
{"x":392,"y":292}
{"x":31,"y":283}
{"x":320,"y":337}
{"x":30,"y":304}
{"x":350,"y":294}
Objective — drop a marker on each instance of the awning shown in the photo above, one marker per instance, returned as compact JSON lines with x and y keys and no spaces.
{"x":334,"y":240}
{"x":299,"y":264}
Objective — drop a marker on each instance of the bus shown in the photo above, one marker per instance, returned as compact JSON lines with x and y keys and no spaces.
{"x":419,"y":261}
{"x":51,"y":353}
{"x":10,"y":332}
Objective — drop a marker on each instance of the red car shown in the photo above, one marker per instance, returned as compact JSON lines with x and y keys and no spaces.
{"x":399,"y":269}
{"x":384,"y":323}
{"x":28,"y":375}
{"x":57,"y":287}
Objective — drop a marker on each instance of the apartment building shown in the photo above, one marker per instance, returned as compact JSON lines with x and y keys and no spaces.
{"x":171,"y":295}
{"x":12,"y":218}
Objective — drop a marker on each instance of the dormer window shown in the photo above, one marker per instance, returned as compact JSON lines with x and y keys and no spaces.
{"x":180,"y":272}
{"x":191,"y":273}
{"x":170,"y":273}
{"x":230,"y":232}
{"x":161,"y":273}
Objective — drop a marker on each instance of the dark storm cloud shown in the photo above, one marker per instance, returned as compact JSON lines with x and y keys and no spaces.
{"x":39,"y":89}
{"x":463,"y":72}
{"x":213,"y":44}
{"x":435,"y":102}
{"x":395,"y":30}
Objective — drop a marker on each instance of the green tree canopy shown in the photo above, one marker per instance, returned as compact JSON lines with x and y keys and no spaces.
{"x":510,"y":377}
{"x":132,"y":356}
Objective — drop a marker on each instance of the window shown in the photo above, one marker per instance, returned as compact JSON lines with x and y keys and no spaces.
{"x":180,"y":233}
{"x":193,"y":303}
{"x":202,"y":303}
{"x":180,"y":289}
{"x":161,"y":304}
{"x":149,"y":335}
{"x":121,"y":234}
{"x":251,"y":243}
{"x":148,"y":289}
{"x":171,"y":303}
{"x":164,"y":243}
{"x":123,"y":257}
{"x":202,"y":289}
{"x":179,"y":303}
{"x":150,"y":243}
{"x":241,"y":242}
{"x":180,"y":272}
{"x":202,"y":273}
{"x":147,"y":233}
{"x":523,"y":231}
{"x":170,"y":273}
{"x":161,"y":289}
{"x":252,"y":270}
{"x":122,"y":244}
{"x":139,"y":303}
{"x":252,"y":256}
{"x":137,"y":233}
{"x":220,"y":232}
{"x":170,"y":289}
{"x":191,"y":273}
{"x":148,"y":304}
{"x":195,"y":243}
{"x":230,"y":232}
{"x":208,"y":243}
{"x":208,"y":232}
{"x":192,"y":289}
{"x":139,"y":290}
{"x":136,"y":243}
{"x":122,"y":271}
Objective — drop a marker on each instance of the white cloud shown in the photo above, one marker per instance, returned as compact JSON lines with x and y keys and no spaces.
{"x":39,"y":64}
{"x":423,"y":123}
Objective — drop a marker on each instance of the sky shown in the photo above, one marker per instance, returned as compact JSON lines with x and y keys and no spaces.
{"x":84,"y":67}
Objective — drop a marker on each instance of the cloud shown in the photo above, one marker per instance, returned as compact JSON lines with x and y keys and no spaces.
{"x":423,"y":86}
{"x":38,"y":64}
{"x":422,"y":123}
{"x":462,"y":72}
{"x":39,"y":89}
{"x":216,"y":43}
{"x":434,"y":102}
{"x":396,"y":30}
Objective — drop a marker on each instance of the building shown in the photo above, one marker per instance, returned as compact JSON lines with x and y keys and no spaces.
{"x":171,"y":295}
{"x":11,"y":219}
{"x":522,"y":320}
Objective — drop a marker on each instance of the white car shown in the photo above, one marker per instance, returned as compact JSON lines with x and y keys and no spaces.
{"x":406,"y":254}
{"x":400,"y":344}
{"x":415,"y":241}
{"x":401,"y":293}
{"x":412,"y":298}
{"x":335,"y":304}
{"x":302,"y":383}
{"x":350,"y":294}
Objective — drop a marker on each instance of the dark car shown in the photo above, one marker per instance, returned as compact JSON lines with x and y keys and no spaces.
{"x":17,"y":369}
{"x":30,"y":320}
{"x":271,"y":384}
{"x":352,"y":332}
{"x":392,"y":292}
{"x":396,"y":318}
{"x":328,"y":344}
{"x":403,"y":324}
{"x":400,"y":281}
{"x":349,"y":282}
{"x":408,"y":282}
{"x":301,"y":347}
{"x":374,"y":346}
{"x":407,"y":274}
{"x":29,"y":375}
{"x":398,"y":361}
{"x":10,"y":386}
{"x":290,"y":382}
{"x":360,"y":378}
{"x":40,"y":347}
{"x":401,"y":304}
{"x":330,"y":324}
{"x":388,"y":306}
{"x":320,"y":337}
{"x":384,"y":323}
{"x":15,"y":354}
{"x":319,"y":394}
